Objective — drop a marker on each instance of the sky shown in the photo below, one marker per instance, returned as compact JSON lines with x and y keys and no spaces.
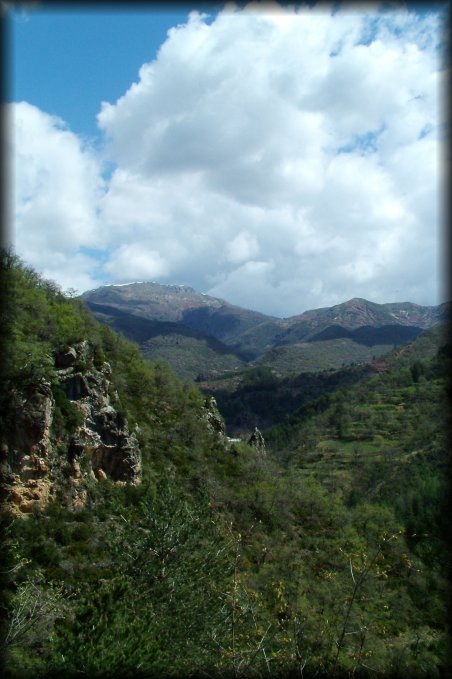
{"x":283,"y":158}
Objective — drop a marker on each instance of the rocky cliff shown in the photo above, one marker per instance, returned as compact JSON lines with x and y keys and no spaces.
{"x":42,"y":455}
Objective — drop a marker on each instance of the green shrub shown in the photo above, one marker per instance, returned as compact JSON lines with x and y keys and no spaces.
{"x":67,"y":417}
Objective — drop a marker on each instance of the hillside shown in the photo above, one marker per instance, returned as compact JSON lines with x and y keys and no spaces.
{"x":357,"y":313}
{"x":185,"y":349}
{"x":210,"y":316}
{"x":263,"y":395}
{"x":198,"y":334}
{"x":139,"y":540}
{"x":378,"y":438}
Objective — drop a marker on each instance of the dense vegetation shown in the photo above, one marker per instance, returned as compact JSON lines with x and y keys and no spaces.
{"x":257,"y":397}
{"x":326,"y":556}
{"x":185,"y":349}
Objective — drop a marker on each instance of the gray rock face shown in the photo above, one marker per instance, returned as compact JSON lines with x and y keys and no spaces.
{"x":102,"y":445}
{"x":66,"y":359}
{"x":106,"y":441}
{"x":213,"y":418}
{"x":26,"y":450}
{"x":29,"y":435}
{"x":76,"y":386}
{"x":103,"y":438}
{"x":118,"y":460}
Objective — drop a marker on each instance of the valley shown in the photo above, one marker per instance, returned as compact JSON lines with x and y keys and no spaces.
{"x":149,"y":533}
{"x":259,"y":368}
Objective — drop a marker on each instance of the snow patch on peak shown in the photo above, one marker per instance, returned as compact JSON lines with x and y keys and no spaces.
{"x":121,"y":285}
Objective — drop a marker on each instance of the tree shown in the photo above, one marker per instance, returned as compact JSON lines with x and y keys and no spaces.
{"x":160,"y":604}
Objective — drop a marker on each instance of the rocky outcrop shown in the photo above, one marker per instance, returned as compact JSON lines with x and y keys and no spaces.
{"x":257,"y":441}
{"x":29,"y":432}
{"x":26,"y":449}
{"x":35,"y":459}
{"x":103,"y":438}
{"x":216,"y":425}
{"x":65,"y":359}
{"x":213,"y":419}
{"x":110,"y":447}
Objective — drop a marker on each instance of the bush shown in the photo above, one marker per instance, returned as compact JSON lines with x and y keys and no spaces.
{"x":67,"y":417}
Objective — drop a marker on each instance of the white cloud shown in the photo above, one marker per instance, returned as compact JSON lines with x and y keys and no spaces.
{"x":56,"y":186}
{"x":130,"y":262}
{"x":242,"y":248}
{"x":75,"y":271}
{"x":283,"y":159}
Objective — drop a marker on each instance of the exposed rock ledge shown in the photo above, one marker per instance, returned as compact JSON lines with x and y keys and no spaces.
{"x":34,"y":461}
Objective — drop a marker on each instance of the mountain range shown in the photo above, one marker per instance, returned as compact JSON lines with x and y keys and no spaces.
{"x":201,"y":336}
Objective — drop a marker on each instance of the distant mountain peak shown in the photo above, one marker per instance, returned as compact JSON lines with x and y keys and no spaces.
{"x":122,"y":285}
{"x":147,"y":311}
{"x":355,"y":300}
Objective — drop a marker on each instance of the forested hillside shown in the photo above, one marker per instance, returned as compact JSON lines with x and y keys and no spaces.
{"x":161,"y":547}
{"x":201,"y":337}
{"x":260,"y":397}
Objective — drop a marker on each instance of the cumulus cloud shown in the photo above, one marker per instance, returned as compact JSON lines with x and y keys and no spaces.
{"x":280,"y":158}
{"x":56,"y":186}
{"x":133,"y":261}
{"x":242,"y":248}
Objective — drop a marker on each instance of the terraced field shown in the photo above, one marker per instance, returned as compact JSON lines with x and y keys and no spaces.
{"x":363,"y":437}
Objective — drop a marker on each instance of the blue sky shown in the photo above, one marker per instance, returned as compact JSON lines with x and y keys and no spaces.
{"x":67,"y":61}
{"x":280,"y":158}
